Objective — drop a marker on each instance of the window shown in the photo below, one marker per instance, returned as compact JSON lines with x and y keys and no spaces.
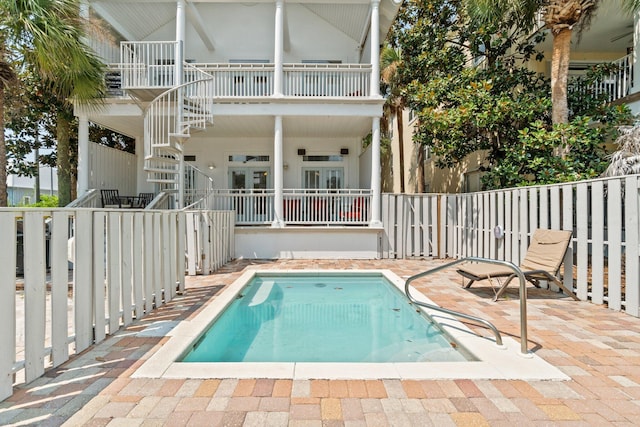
{"x":245,"y":158}
{"x":327,"y":158}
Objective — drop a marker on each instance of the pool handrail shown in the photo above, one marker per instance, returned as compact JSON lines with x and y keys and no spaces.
{"x":523,"y":298}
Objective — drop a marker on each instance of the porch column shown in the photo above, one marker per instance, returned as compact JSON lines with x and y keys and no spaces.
{"x":83,"y":155}
{"x":181,"y":24}
{"x":375,"y":48}
{"x":635,"y":87}
{"x":375,"y":173}
{"x":278,"y":49}
{"x":278,"y":171}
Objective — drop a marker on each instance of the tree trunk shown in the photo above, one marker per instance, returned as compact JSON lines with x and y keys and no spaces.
{"x":3,"y":154}
{"x":420,"y":170}
{"x":559,"y":74}
{"x":399,"y":120}
{"x":63,"y":163}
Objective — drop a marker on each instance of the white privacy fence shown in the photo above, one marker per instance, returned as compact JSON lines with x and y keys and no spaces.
{"x":603,"y":215}
{"x":84,"y":273}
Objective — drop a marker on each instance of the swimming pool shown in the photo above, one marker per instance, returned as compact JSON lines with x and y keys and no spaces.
{"x":337,"y":317}
{"x":491,"y":361}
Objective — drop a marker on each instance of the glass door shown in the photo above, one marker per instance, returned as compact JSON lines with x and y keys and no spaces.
{"x":322,"y":207}
{"x":248,"y":186}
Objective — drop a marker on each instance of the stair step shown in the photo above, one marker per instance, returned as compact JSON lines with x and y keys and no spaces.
{"x":168,"y":160}
{"x":159,"y":170}
{"x":161,"y":181}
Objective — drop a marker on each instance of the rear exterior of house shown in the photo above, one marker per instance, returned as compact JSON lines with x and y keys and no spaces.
{"x":257,"y":107}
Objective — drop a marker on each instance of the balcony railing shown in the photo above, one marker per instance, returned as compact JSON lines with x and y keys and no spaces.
{"x":615,"y":86}
{"x":300,"y":207}
{"x":152,"y":65}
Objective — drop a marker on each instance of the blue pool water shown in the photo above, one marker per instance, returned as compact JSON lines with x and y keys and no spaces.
{"x":302,"y":318}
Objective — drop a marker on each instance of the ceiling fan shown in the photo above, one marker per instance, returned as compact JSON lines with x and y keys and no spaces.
{"x":622,"y":35}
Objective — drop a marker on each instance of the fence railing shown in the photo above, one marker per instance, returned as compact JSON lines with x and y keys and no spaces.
{"x":209,"y":240}
{"x":300,"y":206}
{"x":88,"y":273}
{"x":602,"y":265}
{"x":148,"y":64}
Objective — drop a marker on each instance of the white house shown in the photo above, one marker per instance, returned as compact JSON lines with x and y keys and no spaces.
{"x":258,"y":106}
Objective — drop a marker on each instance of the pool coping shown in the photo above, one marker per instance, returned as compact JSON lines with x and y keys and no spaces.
{"x":495,"y":362}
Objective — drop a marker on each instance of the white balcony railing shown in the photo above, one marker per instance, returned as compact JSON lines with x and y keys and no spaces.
{"x":615,"y":86}
{"x":148,"y":64}
{"x":327,"y":80}
{"x":302,"y":207}
{"x":152,"y":65}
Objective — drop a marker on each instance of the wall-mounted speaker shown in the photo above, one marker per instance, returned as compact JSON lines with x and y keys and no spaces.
{"x":344,"y":151}
{"x":301,"y":151}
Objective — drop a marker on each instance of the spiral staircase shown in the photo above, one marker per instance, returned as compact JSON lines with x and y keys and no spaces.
{"x":170,"y":119}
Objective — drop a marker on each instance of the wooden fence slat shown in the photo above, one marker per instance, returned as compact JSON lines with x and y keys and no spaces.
{"x":191,"y":243}
{"x":114,"y":277}
{"x":82,"y":288}
{"x":567,"y":224}
{"x":502,"y":223}
{"x":180,"y":244}
{"x":582,"y":234}
{"x":59,"y":288}
{"x":544,"y":208}
{"x":168,"y":284}
{"x":515,"y":227}
{"x":597,"y":235}
{"x":138,"y":261}
{"x":34,"y":293}
{"x":632,"y":244}
{"x":7,"y":303}
{"x":156,"y":267}
{"x":147,"y":270}
{"x":524,"y":221}
{"x":614,"y":229}
{"x":127,"y":268}
{"x":99,"y":282}
{"x":508,"y":231}
{"x":173,"y":253}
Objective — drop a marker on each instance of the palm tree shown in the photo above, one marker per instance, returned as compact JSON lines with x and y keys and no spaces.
{"x":626,"y":160}
{"x":7,"y":77}
{"x":48,"y":37}
{"x":561,"y":17}
{"x":390,"y":59}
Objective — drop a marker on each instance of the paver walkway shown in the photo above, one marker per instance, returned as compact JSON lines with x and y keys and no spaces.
{"x":598,"y":348}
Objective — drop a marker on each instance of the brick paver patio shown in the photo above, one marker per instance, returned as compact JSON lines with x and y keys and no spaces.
{"x":598,"y":348}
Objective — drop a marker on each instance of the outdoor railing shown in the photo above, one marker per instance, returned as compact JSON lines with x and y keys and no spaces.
{"x":300,"y":206}
{"x":152,"y":65}
{"x":327,"y":80}
{"x":88,"y":273}
{"x":603,"y":261}
{"x":148,"y":64}
{"x":615,"y":86}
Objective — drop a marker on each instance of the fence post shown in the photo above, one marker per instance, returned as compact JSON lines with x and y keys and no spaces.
{"x":7,"y":304}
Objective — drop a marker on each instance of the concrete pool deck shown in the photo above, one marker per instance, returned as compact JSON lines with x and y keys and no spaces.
{"x":599,"y":350}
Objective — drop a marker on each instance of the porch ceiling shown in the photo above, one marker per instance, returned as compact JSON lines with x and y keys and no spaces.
{"x":138,"y":19}
{"x":298,"y":127}
{"x":254,"y":126}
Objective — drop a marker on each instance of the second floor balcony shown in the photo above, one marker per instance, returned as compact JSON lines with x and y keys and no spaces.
{"x":148,"y":68}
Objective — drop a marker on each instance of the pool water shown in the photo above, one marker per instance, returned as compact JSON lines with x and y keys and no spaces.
{"x":331,"y":318}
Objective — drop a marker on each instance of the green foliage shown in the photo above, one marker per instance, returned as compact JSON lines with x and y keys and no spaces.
{"x":465,"y":80}
{"x":45,"y":202}
{"x":531,"y":161}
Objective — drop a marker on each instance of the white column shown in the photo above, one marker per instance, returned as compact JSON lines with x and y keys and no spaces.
{"x":83,"y":154}
{"x":278,"y":172}
{"x":278,"y":49}
{"x":181,"y":23}
{"x":636,"y":58}
{"x":375,"y":173}
{"x":375,"y":48}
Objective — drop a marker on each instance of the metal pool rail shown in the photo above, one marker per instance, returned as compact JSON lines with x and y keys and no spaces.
{"x":523,"y":298}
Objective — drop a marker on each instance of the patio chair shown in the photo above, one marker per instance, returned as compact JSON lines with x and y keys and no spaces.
{"x":541,"y":262}
{"x":110,"y":199}
{"x":143,"y":200}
